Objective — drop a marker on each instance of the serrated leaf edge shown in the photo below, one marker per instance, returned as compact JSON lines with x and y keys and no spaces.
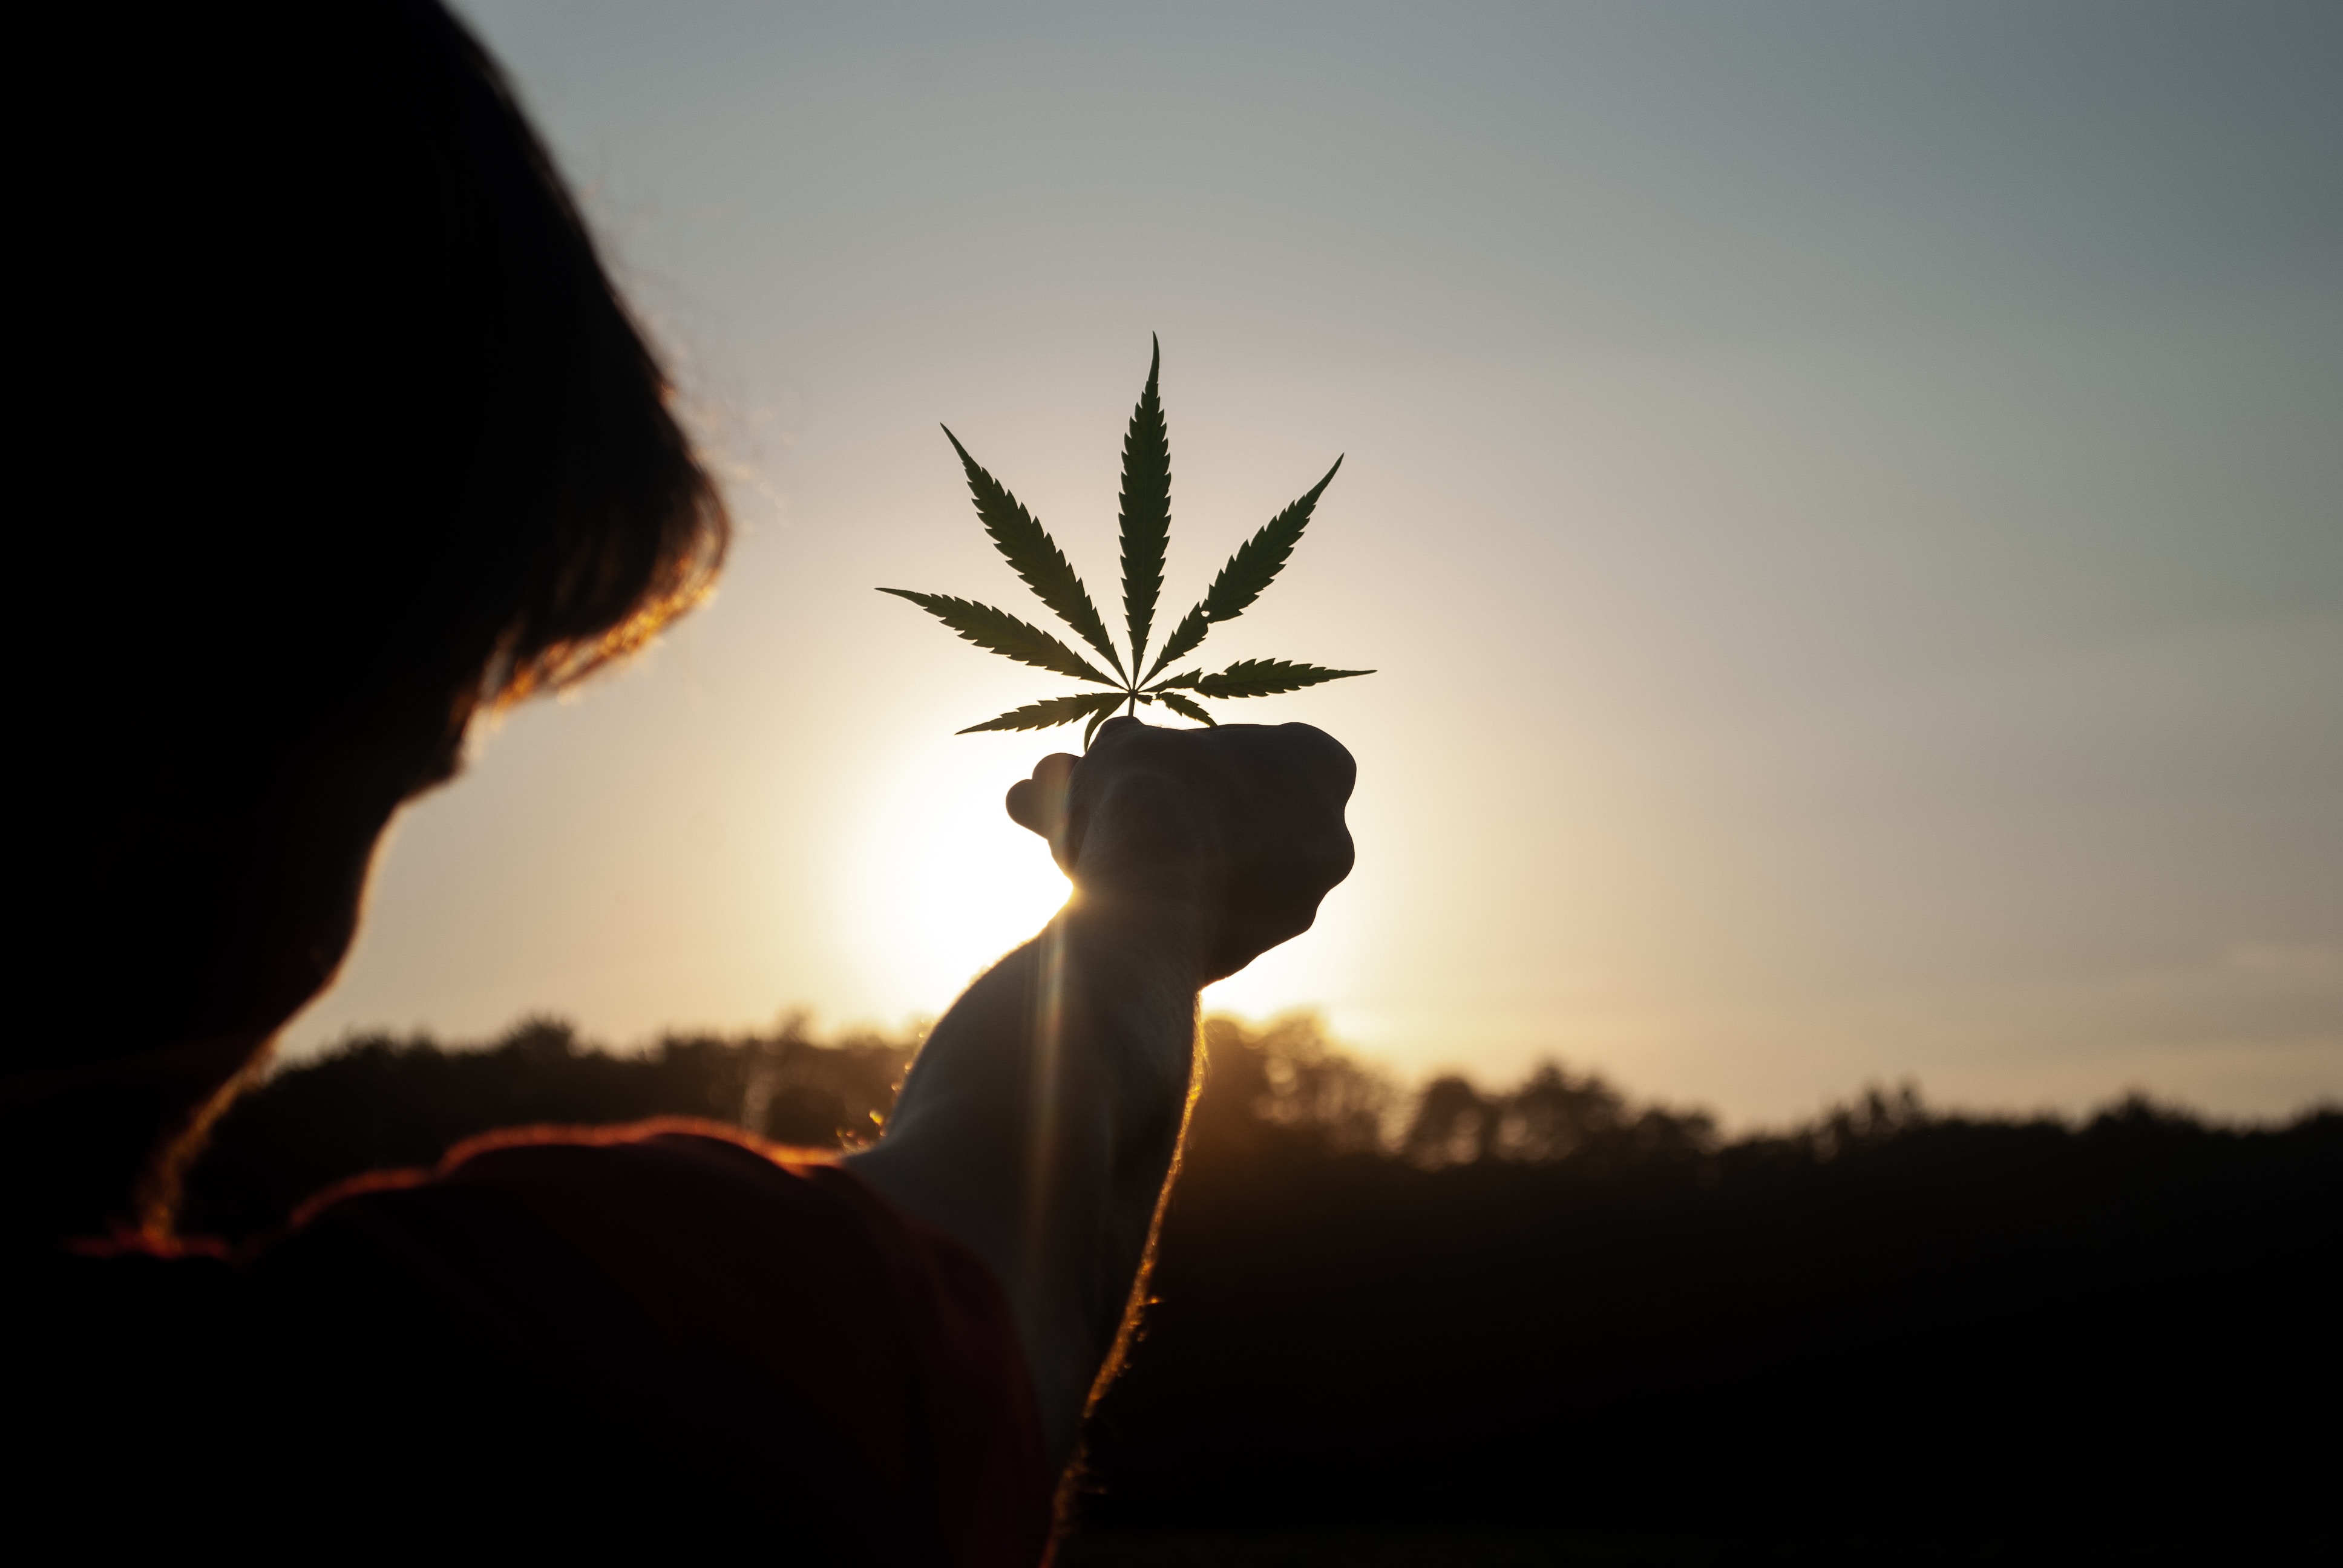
{"x":1229,"y":598}
{"x":1050,"y":574}
{"x":1287,"y":675}
{"x":1063,"y":661}
{"x":1143,"y":551}
{"x":1187,"y":710}
{"x":1051,"y":711}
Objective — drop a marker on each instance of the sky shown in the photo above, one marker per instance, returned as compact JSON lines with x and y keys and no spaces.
{"x":1844,"y":503}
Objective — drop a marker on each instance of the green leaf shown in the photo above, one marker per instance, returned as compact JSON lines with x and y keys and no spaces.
{"x":1183,"y":639}
{"x":1260,"y":557}
{"x":1146,"y":510}
{"x":1053,"y":711}
{"x":1092,"y":727}
{"x":1028,"y":547}
{"x":1185,"y":709}
{"x":1000,"y":632}
{"x":1264,"y":678}
{"x":1146,"y":527}
{"x":1251,"y":569}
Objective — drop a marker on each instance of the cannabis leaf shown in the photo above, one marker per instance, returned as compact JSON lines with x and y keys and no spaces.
{"x":1000,"y":632}
{"x":1257,"y":678}
{"x":1146,"y":522}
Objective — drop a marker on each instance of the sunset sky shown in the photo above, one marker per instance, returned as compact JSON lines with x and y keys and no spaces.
{"x":1845,"y":502}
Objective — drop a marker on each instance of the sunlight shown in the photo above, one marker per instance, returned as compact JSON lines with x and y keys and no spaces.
{"x":940,"y":884}
{"x":943,"y":881}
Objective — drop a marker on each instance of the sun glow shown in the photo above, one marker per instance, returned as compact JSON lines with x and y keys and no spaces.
{"x":944,"y":882}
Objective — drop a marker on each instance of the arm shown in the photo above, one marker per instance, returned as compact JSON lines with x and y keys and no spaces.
{"x":1042,"y":1119}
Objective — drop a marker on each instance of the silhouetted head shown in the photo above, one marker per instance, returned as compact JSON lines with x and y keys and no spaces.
{"x":345,"y":435}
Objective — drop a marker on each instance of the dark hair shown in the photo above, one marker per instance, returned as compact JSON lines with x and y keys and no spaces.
{"x":487,"y":481}
{"x":351,"y":436}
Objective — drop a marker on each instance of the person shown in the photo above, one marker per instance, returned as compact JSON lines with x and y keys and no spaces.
{"x":404,"y":460}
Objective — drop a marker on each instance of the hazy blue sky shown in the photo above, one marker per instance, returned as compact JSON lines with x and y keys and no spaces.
{"x":1847,"y":502}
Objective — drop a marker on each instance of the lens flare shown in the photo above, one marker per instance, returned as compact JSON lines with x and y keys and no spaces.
{"x":944,"y":884}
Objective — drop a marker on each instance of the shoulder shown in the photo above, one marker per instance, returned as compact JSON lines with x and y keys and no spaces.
{"x":665,"y":1249}
{"x":624,"y":1322}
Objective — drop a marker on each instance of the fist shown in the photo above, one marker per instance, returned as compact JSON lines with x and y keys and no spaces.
{"x":1237,"y":831}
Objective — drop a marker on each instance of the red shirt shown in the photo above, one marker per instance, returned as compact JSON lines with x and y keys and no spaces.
{"x":572,"y":1335}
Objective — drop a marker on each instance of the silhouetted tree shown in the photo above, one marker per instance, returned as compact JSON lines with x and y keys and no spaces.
{"x":1287,"y":1087}
{"x":377,"y":1103}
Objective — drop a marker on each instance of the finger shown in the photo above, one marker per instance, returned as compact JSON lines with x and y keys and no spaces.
{"x":1115,"y":726}
{"x":1038,"y":804}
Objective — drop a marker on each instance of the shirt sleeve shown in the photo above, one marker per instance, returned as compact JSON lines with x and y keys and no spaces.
{"x":672,"y":1320}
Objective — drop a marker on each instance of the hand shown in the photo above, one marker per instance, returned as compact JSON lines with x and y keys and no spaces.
{"x":1237,"y":831}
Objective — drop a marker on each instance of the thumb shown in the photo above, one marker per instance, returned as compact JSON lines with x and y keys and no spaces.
{"x":1038,"y":804}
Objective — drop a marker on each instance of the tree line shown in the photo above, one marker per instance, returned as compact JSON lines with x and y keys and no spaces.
{"x":1547,"y":1307}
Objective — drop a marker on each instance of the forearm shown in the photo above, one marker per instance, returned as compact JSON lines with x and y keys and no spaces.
{"x":1039,"y":1124}
{"x":1043,"y":1116}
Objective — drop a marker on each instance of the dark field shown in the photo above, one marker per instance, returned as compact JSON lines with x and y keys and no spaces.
{"x":1336,"y":1548}
{"x":1546,"y":1326}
